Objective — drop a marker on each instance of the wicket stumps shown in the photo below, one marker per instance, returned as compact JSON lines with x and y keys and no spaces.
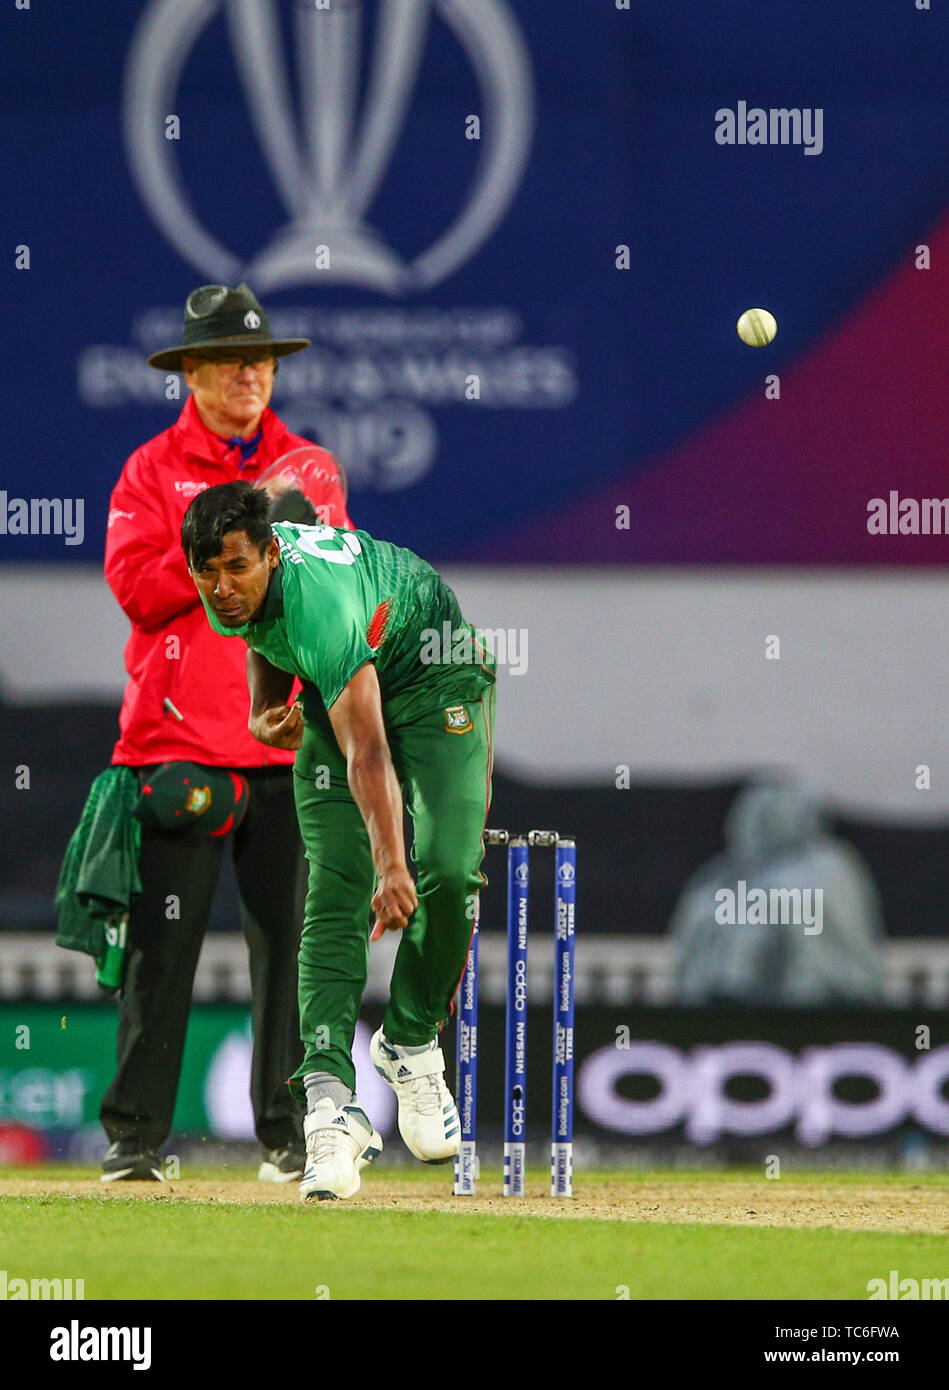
{"x":466,"y":1040}
{"x":515,"y":1057}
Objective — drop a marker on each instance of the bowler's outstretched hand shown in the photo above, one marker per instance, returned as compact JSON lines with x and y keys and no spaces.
{"x":393,"y":902}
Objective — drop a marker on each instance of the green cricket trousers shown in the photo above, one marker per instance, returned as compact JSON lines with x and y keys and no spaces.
{"x":443,"y":760}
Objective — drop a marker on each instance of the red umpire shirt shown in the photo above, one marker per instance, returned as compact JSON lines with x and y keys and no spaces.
{"x":172,"y":653}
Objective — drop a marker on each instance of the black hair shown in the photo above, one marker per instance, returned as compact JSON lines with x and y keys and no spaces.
{"x":219,"y":510}
{"x":292,"y":505}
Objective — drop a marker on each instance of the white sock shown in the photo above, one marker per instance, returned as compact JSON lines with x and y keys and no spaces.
{"x":320,"y":1084}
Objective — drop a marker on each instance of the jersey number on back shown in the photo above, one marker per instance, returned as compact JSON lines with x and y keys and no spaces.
{"x":343,"y":549}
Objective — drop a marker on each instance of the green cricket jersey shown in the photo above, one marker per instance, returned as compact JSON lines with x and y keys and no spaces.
{"x":341,"y":598}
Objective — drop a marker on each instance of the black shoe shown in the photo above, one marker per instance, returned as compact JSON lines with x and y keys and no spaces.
{"x":282,"y":1165}
{"x":127,"y":1161}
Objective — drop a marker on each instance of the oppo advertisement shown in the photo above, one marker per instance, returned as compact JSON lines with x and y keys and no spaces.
{"x":703,"y":1079}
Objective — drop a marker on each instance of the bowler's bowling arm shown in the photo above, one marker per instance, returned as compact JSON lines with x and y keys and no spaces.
{"x":356,"y":717}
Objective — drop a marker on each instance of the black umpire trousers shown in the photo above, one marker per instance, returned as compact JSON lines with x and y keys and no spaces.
{"x":179,"y":875}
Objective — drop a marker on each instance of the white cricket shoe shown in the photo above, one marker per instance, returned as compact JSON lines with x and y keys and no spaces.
{"x":428,"y":1116}
{"x":339,"y":1144}
{"x":283,"y":1165}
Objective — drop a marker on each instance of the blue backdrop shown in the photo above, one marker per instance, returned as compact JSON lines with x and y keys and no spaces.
{"x":597,"y":131}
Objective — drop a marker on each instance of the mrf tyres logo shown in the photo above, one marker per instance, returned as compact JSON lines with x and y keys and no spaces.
{"x":78,"y":1343}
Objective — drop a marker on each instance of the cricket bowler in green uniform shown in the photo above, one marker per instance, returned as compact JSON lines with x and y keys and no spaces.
{"x":398,"y":697}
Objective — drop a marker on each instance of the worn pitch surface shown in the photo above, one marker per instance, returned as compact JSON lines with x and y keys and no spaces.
{"x":841,"y":1201}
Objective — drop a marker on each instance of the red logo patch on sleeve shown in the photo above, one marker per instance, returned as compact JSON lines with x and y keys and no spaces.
{"x":376,"y":633}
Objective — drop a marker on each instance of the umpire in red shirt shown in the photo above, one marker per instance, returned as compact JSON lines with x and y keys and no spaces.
{"x":187,"y":702}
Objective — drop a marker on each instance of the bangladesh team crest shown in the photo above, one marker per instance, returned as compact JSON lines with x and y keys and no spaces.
{"x":456,"y":720}
{"x":199,"y":799}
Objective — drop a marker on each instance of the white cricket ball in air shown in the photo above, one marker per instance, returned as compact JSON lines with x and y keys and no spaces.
{"x":757,"y":327}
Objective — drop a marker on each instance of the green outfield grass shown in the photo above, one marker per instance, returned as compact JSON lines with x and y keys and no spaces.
{"x":126,"y":1247}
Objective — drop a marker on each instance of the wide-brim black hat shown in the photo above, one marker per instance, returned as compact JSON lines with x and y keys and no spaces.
{"x":219,"y":317}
